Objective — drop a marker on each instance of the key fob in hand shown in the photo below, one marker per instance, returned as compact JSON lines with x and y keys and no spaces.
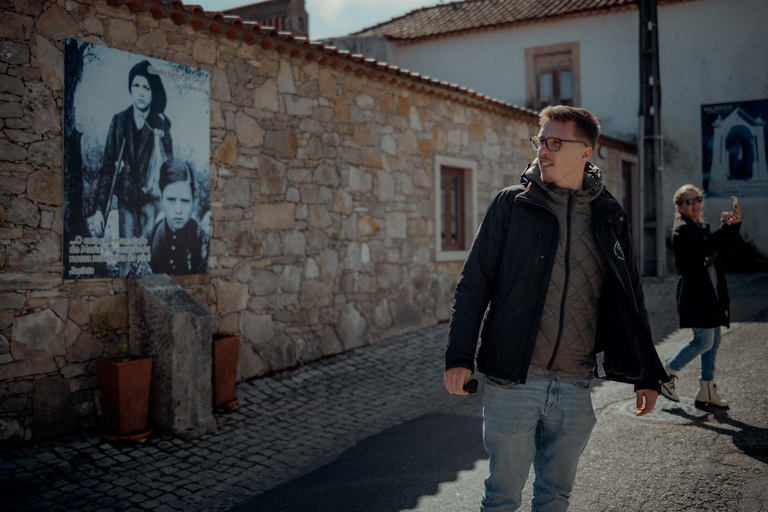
{"x":471,"y":386}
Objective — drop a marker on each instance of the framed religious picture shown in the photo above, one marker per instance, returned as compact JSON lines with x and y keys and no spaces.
{"x":734,"y":148}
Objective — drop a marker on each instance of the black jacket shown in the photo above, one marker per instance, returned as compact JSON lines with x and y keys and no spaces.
{"x":695,"y":250}
{"x":509,"y":266}
{"x":137,"y":148}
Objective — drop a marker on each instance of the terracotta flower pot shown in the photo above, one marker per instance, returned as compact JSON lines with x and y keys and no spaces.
{"x":125,"y":396}
{"x":225,"y":349}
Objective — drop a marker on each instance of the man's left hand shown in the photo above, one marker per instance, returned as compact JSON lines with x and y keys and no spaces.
{"x":646,"y":400}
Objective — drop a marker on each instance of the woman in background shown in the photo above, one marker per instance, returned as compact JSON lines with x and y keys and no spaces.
{"x":702,"y":293}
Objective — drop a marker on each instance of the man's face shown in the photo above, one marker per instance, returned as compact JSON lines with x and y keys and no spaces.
{"x":564,"y":167}
{"x":177,"y":204}
{"x":692,"y":211}
{"x":141,"y":92}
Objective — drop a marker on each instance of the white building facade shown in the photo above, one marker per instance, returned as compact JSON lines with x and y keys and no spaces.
{"x":710,"y":52}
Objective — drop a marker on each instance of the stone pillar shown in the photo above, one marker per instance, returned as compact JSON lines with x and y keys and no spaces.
{"x":167,"y":324}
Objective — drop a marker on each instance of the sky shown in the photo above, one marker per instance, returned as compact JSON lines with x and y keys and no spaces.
{"x":332,"y":18}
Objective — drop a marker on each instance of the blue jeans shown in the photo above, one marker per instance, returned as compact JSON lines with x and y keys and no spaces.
{"x":705,"y":343}
{"x":546,"y":423}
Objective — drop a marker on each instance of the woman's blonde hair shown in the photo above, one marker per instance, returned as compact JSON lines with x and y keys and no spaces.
{"x":678,"y":199}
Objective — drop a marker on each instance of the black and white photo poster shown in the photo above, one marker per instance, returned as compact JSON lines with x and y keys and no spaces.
{"x":136,"y":157}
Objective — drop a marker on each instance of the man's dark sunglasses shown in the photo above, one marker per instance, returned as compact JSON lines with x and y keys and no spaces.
{"x":692,"y":200}
{"x":552,"y":143}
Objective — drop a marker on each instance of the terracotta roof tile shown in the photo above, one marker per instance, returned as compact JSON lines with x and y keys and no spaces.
{"x":268,"y":37}
{"x":467,"y":15}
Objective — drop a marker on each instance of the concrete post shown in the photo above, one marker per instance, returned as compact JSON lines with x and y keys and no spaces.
{"x":167,"y":324}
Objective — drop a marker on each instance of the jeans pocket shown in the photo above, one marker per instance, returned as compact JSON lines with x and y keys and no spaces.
{"x":584,"y":385}
{"x":499,"y":383}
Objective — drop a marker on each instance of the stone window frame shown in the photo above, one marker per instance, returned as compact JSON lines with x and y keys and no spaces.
{"x":470,"y":205}
{"x":531,"y":76}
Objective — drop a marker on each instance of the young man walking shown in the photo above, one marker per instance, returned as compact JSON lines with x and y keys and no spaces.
{"x":553,"y":265}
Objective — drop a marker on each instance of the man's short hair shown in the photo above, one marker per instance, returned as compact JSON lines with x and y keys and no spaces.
{"x":587,"y":126}
{"x":173,"y":171}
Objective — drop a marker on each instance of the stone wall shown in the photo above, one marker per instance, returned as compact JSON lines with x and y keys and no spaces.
{"x":322,"y":195}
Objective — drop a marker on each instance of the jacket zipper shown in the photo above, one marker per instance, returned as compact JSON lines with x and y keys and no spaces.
{"x":565,"y":285}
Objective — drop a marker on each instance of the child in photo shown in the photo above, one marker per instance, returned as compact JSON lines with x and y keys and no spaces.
{"x":179,"y":244}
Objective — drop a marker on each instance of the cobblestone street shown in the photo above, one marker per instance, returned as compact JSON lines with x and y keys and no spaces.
{"x":284,"y":426}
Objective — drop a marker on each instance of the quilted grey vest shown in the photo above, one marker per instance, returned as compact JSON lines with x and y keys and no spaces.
{"x":566,"y":337}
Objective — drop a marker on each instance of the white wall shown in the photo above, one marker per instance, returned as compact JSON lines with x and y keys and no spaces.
{"x":493,"y":63}
{"x":711,"y":51}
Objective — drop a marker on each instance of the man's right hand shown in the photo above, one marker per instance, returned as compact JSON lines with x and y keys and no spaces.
{"x":96,"y":224}
{"x":455,"y":378}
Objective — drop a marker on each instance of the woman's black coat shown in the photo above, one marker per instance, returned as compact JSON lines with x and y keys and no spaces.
{"x":695,"y":250}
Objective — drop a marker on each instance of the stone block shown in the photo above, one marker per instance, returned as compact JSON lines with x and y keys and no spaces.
{"x":112,"y":308}
{"x":258,"y":329}
{"x":397,"y":225}
{"x":169,"y":326}
{"x":299,"y":107}
{"x":273,"y":176}
{"x":231,"y":296}
{"x":44,"y":187}
{"x":249,"y":133}
{"x":13,"y":185}
{"x":50,"y":62}
{"x":265,"y":97}
{"x":329,"y":264}
{"x":274,"y":216}
{"x":226,"y":153}
{"x":367,"y":226}
{"x":11,"y":152}
{"x":319,"y":217}
{"x":121,"y":32}
{"x":13,"y":53}
{"x":327,"y":83}
{"x":53,"y":413}
{"x":359,"y":181}
{"x":326,"y":175}
{"x":285,"y":144}
{"x":46,"y":153}
{"x":264,"y":282}
{"x":285,"y":81}
{"x":220,"y":85}
{"x":86,"y":348}
{"x":29,"y":281}
{"x":249,"y":363}
{"x":57,"y":23}
{"x":294,"y":243}
{"x":237,"y":192}
{"x":11,"y":109}
{"x":353,"y":328}
{"x":39,"y":338}
{"x":316,"y":294}
{"x":12,"y":301}
{"x":242,"y":241}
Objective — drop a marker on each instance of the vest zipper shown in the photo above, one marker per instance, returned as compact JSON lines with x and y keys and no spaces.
{"x":565,"y":285}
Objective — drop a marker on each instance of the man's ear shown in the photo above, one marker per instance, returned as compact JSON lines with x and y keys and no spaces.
{"x":587,"y":153}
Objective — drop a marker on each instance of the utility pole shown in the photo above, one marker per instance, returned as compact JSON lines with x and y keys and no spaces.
{"x":652,"y":240}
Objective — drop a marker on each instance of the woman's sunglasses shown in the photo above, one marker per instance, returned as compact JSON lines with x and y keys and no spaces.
{"x":693,"y":200}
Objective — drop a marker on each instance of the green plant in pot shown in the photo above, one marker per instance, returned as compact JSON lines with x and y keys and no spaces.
{"x":124,"y":383}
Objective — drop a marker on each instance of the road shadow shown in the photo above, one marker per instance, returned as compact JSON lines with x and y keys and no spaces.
{"x":387,"y":472}
{"x":751,"y":440}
